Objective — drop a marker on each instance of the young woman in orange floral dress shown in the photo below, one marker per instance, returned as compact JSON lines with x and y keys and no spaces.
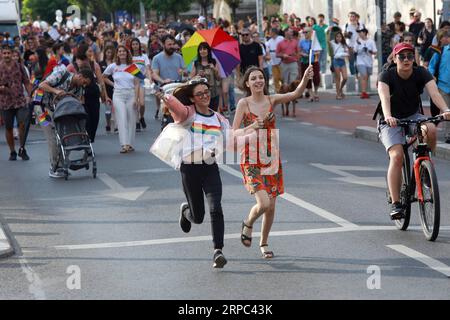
{"x":260,"y":160}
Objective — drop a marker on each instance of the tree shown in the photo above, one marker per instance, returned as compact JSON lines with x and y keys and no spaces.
{"x":234,"y":4}
{"x":278,"y":2}
{"x":204,"y":4}
{"x":169,"y":7}
{"x":43,"y":8}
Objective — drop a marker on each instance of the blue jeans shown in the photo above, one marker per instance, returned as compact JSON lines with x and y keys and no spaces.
{"x":351,"y":63}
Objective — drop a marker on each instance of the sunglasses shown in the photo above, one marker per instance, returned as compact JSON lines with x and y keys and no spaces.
{"x":409,"y":56}
{"x":205,"y":93}
{"x":245,"y":34}
{"x":197,"y":81}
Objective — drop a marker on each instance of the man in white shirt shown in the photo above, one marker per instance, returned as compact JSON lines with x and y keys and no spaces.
{"x":143,"y":39}
{"x":365,"y":48}
{"x":275,"y":61}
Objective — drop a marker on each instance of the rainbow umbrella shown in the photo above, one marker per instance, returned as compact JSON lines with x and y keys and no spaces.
{"x":225,"y":49}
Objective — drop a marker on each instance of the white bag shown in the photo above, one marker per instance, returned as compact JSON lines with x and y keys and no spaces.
{"x":168,"y":147}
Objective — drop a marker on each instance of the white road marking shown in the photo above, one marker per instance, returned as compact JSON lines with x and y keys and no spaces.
{"x":35,"y":287}
{"x":306,"y":123}
{"x":336,"y":107}
{"x":345,"y":133}
{"x":430,"y":262}
{"x":377,"y":182}
{"x":228,"y":236}
{"x":353,"y":111}
{"x":157,"y":170}
{"x":118,"y":191}
{"x":4,"y":243}
{"x":301,"y":203}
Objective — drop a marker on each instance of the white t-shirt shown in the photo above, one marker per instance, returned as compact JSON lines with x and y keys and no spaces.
{"x":271,"y":45}
{"x":142,"y":62}
{"x":143,"y":40}
{"x":364,"y":58}
{"x":122,"y":79}
{"x":354,"y":30}
{"x":339,"y":50}
{"x":205,"y":130}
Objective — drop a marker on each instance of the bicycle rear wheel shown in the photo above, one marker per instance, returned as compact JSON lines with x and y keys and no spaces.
{"x":405,"y":194}
{"x":430,"y":212}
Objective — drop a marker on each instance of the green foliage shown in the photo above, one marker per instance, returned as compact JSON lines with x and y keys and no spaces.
{"x":43,"y":8}
{"x":274,"y":2}
{"x":167,"y":7}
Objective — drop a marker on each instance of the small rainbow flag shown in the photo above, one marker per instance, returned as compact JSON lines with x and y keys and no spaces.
{"x":135,"y":71}
{"x":44,"y":119}
{"x":37,"y":99}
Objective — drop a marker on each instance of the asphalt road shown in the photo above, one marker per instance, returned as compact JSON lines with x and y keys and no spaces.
{"x":117,"y":237}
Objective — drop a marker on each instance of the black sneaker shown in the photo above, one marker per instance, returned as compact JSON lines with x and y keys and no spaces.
{"x":219,"y":259}
{"x":138,"y":127}
{"x":397,"y":211}
{"x":143,"y":124}
{"x":23,"y":154}
{"x":447,"y":140}
{"x":108,"y":129}
{"x":13,"y":156}
{"x":185,"y":224}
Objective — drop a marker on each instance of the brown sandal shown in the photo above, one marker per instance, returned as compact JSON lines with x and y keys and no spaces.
{"x":245,"y":237}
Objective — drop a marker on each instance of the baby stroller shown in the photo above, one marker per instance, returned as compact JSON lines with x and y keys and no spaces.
{"x":69,"y":118}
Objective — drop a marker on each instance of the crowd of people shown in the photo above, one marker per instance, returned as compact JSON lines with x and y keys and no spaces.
{"x":107,"y":67}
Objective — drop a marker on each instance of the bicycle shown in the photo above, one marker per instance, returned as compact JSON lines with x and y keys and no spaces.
{"x":420,"y":185}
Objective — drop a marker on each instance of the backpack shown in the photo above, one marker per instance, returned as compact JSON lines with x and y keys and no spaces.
{"x":379,"y":110}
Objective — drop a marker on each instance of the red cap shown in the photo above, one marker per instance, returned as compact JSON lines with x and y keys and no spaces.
{"x":402,"y":47}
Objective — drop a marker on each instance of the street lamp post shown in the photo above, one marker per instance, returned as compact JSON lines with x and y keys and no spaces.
{"x":142,"y":9}
{"x":259,"y":16}
{"x":381,"y":19}
{"x":330,"y":12}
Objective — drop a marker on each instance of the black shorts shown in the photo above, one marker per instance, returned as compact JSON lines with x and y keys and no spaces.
{"x":21,"y":114}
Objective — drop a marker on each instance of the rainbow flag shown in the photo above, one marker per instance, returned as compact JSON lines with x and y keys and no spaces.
{"x":37,"y":99}
{"x":135,"y":71}
{"x":205,"y":129}
{"x":44,"y":119}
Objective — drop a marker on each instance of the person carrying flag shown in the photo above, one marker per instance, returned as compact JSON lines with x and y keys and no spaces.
{"x":126,"y":83}
{"x":13,"y":103}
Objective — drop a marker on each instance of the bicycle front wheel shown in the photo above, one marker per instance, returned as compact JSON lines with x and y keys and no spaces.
{"x":430,"y":214}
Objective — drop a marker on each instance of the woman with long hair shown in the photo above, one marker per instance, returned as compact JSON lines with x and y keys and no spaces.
{"x":141,"y":60}
{"x":206,"y":67}
{"x":85,"y":59}
{"x":261,"y":169}
{"x":425,"y":38}
{"x":109,"y":54}
{"x":40,"y":63}
{"x":340,"y":53}
{"x":126,"y":95}
{"x":200,"y":174}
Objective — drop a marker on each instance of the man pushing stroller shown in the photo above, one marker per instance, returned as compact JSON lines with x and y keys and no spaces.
{"x":59,"y":82}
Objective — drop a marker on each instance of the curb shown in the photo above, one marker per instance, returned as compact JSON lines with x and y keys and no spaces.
{"x":371,"y":134}
{"x":6,"y":248}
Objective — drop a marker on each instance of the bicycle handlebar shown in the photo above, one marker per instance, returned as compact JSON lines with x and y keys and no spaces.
{"x":404,"y":123}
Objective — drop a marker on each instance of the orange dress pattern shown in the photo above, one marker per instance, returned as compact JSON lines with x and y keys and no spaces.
{"x":254,"y":179}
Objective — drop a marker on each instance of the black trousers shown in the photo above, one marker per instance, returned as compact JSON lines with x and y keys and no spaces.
{"x":199,"y":180}
{"x":92,"y":107}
